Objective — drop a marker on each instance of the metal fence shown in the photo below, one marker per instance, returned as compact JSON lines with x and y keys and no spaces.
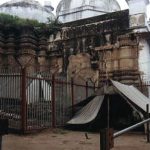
{"x":33,"y":101}
{"x":38,"y":100}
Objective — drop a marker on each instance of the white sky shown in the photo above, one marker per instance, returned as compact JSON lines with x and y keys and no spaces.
{"x":55,"y":2}
{"x":122,"y":3}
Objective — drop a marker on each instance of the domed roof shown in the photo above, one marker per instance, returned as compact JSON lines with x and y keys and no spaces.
{"x":65,"y":7}
{"x":28,"y":9}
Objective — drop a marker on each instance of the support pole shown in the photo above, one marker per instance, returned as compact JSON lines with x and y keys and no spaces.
{"x":117,"y":134}
{"x":148,"y":128}
{"x":1,"y":139}
{"x":108,"y":112}
{"x":72,"y":95}
{"x":106,"y":139}
{"x":23,"y":101}
{"x":53,"y":103}
{"x":87,"y":89}
{"x":3,"y":130}
{"x":94,"y":87}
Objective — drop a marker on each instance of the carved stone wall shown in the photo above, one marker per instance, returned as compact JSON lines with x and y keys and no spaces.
{"x":23,"y":47}
{"x":90,"y":49}
{"x":80,"y":69}
{"x":98,"y":48}
{"x":56,"y":65}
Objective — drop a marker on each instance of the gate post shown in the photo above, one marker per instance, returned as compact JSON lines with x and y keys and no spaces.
{"x":53,"y":103}
{"x":3,"y":130}
{"x":23,"y":101}
{"x":106,"y":139}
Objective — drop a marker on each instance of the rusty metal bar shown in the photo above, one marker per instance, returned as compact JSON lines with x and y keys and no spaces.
{"x":23,"y":101}
{"x":53,"y":103}
{"x":72,"y":95}
{"x":148,"y":130}
{"x":108,"y":112}
{"x":87,"y":91}
{"x":117,"y":134}
{"x":94,"y":87}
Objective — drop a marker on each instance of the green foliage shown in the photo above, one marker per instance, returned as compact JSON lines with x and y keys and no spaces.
{"x":9,"y":20}
{"x":14,"y":20}
{"x":54,"y":25}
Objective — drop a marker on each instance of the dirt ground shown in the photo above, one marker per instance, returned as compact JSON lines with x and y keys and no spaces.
{"x":68,"y":140}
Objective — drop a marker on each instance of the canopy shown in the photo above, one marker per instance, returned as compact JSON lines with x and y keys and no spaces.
{"x":133,"y":94}
{"x":89,"y":112}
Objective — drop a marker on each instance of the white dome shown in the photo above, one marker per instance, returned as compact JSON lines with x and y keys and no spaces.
{"x":28,"y":9}
{"x":70,"y":10}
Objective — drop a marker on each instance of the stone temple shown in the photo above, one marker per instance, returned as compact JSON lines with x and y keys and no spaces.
{"x":97,"y":40}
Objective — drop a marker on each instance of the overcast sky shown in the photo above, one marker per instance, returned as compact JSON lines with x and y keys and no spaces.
{"x":55,"y":2}
{"x":122,"y":3}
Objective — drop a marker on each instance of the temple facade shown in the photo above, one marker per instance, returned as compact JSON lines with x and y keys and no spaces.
{"x":112,"y":45}
{"x":97,"y":48}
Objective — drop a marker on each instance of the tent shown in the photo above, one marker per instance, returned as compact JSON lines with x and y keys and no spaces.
{"x":132,"y":95}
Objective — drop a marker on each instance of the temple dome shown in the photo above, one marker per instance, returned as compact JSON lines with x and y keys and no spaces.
{"x":28,"y":9}
{"x":71,"y":10}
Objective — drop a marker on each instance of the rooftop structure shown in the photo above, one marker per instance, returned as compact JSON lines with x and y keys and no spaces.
{"x":71,"y":10}
{"x":28,"y":9}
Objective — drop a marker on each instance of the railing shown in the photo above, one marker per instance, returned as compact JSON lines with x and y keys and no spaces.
{"x":39,"y":100}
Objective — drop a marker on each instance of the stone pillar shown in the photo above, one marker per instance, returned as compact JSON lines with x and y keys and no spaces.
{"x":127,"y":56}
{"x":43,"y":47}
{"x":11,"y":51}
{"x":27,"y":49}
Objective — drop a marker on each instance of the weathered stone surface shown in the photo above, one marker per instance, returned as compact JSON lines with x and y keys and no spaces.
{"x":56,"y":65}
{"x":22,"y":46}
{"x":80,"y":68}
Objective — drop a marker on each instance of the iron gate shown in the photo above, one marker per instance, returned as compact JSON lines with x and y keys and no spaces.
{"x":38,"y":100}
